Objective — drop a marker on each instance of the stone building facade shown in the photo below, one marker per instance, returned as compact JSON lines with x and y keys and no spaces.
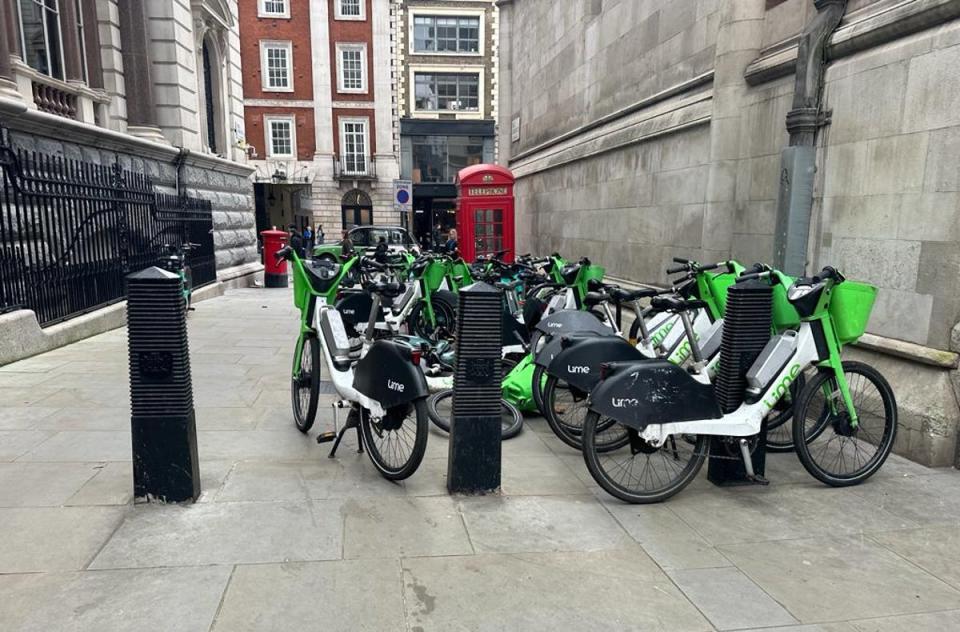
{"x":320,"y":116}
{"x":640,"y":130}
{"x":153,"y":84}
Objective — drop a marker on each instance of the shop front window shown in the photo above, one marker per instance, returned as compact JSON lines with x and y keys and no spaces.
{"x":439,"y":158}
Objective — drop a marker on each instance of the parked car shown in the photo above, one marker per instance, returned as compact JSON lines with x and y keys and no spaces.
{"x":367,"y":237}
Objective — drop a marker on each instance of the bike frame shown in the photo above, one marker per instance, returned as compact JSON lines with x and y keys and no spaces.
{"x":746,"y":420}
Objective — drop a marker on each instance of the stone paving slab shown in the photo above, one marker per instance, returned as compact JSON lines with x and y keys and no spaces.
{"x":285,"y":538}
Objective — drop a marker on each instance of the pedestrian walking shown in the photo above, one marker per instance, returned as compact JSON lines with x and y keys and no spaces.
{"x":308,"y":238}
{"x":451,"y":245}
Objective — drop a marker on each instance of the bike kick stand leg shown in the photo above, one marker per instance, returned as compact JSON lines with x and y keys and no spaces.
{"x":353,"y":421}
{"x":732,"y":463}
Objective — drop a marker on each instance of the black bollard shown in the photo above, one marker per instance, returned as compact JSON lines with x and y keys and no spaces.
{"x":165,"y":463}
{"x":474,"y":458}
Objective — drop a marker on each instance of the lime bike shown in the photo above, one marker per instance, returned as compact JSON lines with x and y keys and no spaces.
{"x":844,"y":418}
{"x":378,"y":381}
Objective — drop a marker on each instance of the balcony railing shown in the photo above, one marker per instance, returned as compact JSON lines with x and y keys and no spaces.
{"x":354,"y":168}
{"x":53,"y":100}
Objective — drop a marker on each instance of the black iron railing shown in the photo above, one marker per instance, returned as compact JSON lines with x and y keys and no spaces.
{"x":354,"y":167}
{"x":70,"y":232}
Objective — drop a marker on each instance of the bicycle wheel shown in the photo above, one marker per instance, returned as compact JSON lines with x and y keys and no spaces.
{"x":440,"y":409}
{"x":421,"y":326}
{"x":565,"y":409}
{"x":639,"y":472}
{"x":839,"y":454}
{"x":537,"y":387}
{"x":779,"y":428}
{"x":305,"y":386}
{"x":397,"y":441}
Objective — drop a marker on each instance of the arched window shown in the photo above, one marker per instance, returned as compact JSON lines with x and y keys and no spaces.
{"x":212,"y":22}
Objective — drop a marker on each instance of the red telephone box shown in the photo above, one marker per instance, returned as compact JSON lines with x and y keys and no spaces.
{"x":485,"y":211}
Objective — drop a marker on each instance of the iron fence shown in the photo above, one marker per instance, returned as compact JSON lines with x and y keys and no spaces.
{"x":70,"y":232}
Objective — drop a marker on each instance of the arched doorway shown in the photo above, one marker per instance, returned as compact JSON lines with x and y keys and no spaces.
{"x":356,"y":209}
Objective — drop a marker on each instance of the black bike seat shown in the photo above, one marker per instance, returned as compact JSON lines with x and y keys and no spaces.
{"x":675,"y":304}
{"x":388,"y":290}
{"x":592,"y":299}
{"x":620,"y":295}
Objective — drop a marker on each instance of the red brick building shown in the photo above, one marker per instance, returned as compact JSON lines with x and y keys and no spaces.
{"x":320,"y":119}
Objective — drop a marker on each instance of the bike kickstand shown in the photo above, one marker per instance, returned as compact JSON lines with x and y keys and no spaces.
{"x":752,"y":476}
{"x":351,"y":423}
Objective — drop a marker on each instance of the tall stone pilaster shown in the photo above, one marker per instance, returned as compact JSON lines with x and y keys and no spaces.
{"x":141,"y":103}
{"x":739,"y":41}
{"x":8,"y":34}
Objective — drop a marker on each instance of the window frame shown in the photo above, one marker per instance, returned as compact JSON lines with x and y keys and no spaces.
{"x":367,"y":155}
{"x":342,"y":47}
{"x":477,"y":71}
{"x":268,"y":121}
{"x":338,"y":13}
{"x":263,"y":13}
{"x":45,"y":11}
{"x":428,"y":12}
{"x":265,"y":46}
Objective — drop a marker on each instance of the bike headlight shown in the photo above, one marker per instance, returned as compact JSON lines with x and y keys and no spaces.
{"x":797,"y":292}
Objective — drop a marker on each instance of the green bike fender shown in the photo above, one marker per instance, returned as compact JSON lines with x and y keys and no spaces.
{"x":518,"y":385}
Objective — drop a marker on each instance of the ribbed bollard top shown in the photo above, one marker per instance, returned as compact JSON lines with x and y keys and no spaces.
{"x":476,"y":383}
{"x":160,"y":382}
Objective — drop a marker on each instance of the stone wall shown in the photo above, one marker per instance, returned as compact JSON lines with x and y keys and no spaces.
{"x":650,"y":129}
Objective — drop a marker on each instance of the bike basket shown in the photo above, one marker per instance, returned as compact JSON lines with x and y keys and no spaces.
{"x":850,"y":308}
{"x":301,"y":288}
{"x":434,"y":275}
{"x":719,"y":284}
{"x":593,"y":272}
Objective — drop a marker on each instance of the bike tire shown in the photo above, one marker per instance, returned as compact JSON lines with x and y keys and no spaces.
{"x":405,"y":468}
{"x":537,"y":388}
{"x":305,"y":387}
{"x":445,"y":315}
{"x":815,"y":454}
{"x":569,"y":429}
{"x":595,"y":465}
{"x":440,"y":405}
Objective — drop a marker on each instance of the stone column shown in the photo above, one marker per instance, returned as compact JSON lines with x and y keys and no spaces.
{"x":91,"y":36}
{"x":505,"y":81}
{"x":8,"y":86}
{"x":73,"y":64}
{"x":141,"y":105}
{"x":11,"y":20}
{"x":739,"y":40}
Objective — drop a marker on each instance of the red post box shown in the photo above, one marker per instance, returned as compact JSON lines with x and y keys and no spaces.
{"x":275,"y":272}
{"x":485,"y":211}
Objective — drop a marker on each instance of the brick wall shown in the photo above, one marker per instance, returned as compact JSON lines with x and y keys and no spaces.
{"x":306,"y":138}
{"x":295,"y":30}
{"x":354,"y":32}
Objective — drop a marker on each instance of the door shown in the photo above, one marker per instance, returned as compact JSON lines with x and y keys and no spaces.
{"x":356,"y":216}
{"x":488,"y":230}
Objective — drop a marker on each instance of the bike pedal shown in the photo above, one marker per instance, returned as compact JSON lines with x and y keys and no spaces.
{"x":326,"y":437}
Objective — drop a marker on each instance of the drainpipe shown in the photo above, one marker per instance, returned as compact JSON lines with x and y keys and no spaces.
{"x":178,"y":162}
{"x":798,"y":160}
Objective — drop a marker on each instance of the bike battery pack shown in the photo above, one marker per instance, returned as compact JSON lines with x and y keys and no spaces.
{"x":770,"y":362}
{"x":335,"y":336}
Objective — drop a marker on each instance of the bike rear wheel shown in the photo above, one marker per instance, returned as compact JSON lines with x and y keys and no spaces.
{"x":444,"y":314}
{"x":397,"y":441}
{"x":566,"y":408}
{"x":440,"y":409}
{"x":828,"y":446}
{"x":638,"y":472}
{"x":537,"y":388}
{"x":305,"y":385}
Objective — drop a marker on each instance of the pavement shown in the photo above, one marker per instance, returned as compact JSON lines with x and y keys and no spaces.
{"x":284,"y":538}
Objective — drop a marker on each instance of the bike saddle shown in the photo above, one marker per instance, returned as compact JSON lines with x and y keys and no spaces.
{"x":570,"y":272}
{"x":322,"y":273}
{"x":592,"y":299}
{"x":675,"y":304}
{"x":388,"y":290}
{"x":620,"y":295}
